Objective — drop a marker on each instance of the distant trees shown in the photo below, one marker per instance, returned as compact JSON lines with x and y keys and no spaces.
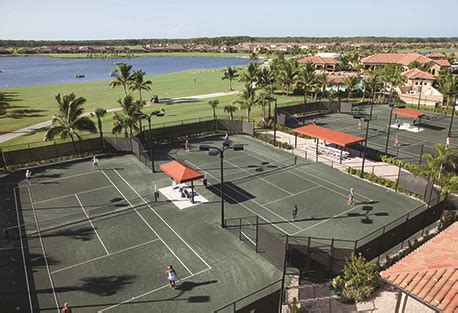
{"x":69,"y":119}
{"x":231,"y":109}
{"x":213,"y":104}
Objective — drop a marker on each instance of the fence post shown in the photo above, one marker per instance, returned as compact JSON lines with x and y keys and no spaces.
{"x":307,"y":265}
{"x":421,"y":154}
{"x":30,"y":152}
{"x":355,"y":247}
{"x":55,"y":149}
{"x":282,"y":291}
{"x":331,"y":258}
{"x":404,"y":230}
{"x":381,"y":243}
{"x":4,"y":160}
{"x":426,"y":188}
{"x":305,"y":153}
{"x":399,"y":175}
{"x":240,"y":229}
{"x":257,"y":232}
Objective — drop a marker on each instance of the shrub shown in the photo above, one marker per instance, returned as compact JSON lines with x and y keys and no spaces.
{"x":358,"y":281}
{"x":293,"y":307}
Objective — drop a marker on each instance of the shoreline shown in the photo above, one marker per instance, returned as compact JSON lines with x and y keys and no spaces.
{"x":133,"y":55}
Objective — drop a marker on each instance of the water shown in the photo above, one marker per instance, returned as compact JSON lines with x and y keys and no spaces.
{"x":26,"y":71}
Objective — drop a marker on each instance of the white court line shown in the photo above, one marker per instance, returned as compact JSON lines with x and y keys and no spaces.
{"x":150,"y":227}
{"x":55,"y":179}
{"x":255,"y":213}
{"x":104,"y":256}
{"x":317,"y":177}
{"x":327,"y":220}
{"x":150,"y":292}
{"x":261,"y":178}
{"x":90,"y":222}
{"x":43,"y":250}
{"x":254,"y":243}
{"x":293,"y":195}
{"x":23,"y":254}
{"x":72,"y":194}
{"x":206,"y":264}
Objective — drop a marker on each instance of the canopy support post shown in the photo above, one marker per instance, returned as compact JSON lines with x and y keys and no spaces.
{"x":192,"y":191}
{"x":295,"y":140}
{"x":341,"y":153}
{"x":316,"y":151}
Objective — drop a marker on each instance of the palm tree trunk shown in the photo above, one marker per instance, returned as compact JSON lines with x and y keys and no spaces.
{"x":101,"y":133}
{"x":140,"y":92}
{"x":73,"y":143}
{"x":305,"y":97}
{"x":248,"y":111}
{"x":214,"y":114}
{"x":125,"y":90}
{"x":230,"y":84}
{"x":232,"y":115}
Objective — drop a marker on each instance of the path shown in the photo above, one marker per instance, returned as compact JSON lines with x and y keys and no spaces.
{"x":40,"y":125}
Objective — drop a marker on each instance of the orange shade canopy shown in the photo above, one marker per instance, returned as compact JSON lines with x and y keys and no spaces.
{"x":409,"y":112}
{"x":330,"y":135}
{"x":180,"y":171}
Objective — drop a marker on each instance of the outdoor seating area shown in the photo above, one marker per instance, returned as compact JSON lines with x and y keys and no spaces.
{"x":328,"y":150}
{"x":181,"y":196}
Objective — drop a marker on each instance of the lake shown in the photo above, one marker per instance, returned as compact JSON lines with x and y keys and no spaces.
{"x":38,"y":70}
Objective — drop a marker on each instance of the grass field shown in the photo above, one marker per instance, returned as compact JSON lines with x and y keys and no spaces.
{"x":33,"y":104}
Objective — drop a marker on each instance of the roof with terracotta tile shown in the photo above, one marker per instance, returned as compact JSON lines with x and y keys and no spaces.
{"x":431,"y":272}
{"x":319,"y":60}
{"x":442,"y":62}
{"x":415,"y":73}
{"x":436,"y":55}
{"x":395,"y":58}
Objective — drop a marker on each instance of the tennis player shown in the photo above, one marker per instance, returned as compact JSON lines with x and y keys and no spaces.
{"x":95,"y":163}
{"x":351,"y":196}
{"x":171,"y":276}
{"x":28,"y":176}
{"x":294,"y":212}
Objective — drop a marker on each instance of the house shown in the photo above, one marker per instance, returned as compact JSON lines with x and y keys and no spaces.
{"x":26,"y":51}
{"x":65,"y":49}
{"x":404,"y":59}
{"x":332,"y":55}
{"x":44,"y":50}
{"x":175,"y":47}
{"x":83,"y":49}
{"x":119,"y":49}
{"x":419,"y":88}
{"x":5,"y":51}
{"x":321,"y":63}
{"x":137,"y":49}
{"x":429,"y":274}
{"x":436,"y":56}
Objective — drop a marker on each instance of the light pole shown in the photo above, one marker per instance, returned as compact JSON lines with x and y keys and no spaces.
{"x":141,"y":116}
{"x":214,"y":151}
{"x":453,"y":112}
{"x":367,"y":120}
{"x":392,"y":106}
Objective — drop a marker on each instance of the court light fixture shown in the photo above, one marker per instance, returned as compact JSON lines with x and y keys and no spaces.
{"x":204,"y":147}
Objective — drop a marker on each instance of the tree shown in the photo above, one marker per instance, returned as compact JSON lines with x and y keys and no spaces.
{"x":123,"y":76}
{"x":69,"y":119}
{"x":123,"y":121}
{"x":358,"y":281}
{"x":3,"y":103}
{"x":322,"y":83}
{"x":247,"y":99}
{"x":230,"y":73}
{"x":137,"y":82}
{"x":443,"y":165}
{"x":231,"y":110}
{"x":421,"y":66}
{"x":265,"y":77}
{"x":373,"y":83}
{"x":128,"y":105}
{"x":99,"y":113}
{"x":351,"y":82}
{"x":250,"y":75}
{"x":213,"y":104}
{"x":287,"y":75}
{"x":446,"y":84}
{"x":306,"y":78}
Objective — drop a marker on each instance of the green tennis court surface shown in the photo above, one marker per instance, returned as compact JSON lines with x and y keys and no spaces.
{"x":100,"y":241}
{"x":434,"y":130}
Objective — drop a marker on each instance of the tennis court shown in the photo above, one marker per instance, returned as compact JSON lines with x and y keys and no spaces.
{"x":434,"y":129}
{"x":100,"y":241}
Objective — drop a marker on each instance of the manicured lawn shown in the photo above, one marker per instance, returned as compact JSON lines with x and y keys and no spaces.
{"x":33,"y":104}
{"x":174,"y":113}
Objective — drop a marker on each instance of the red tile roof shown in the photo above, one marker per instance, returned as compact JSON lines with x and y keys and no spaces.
{"x":180,"y":172}
{"x":319,"y":60}
{"x":395,"y":58}
{"x":418,"y":74}
{"x":442,"y":62}
{"x":436,"y":55}
{"x":409,"y":112}
{"x":431,"y":271}
{"x":330,"y":135}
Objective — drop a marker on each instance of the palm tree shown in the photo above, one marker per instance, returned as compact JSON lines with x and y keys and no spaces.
{"x":372,"y":83}
{"x":247,"y":99}
{"x":231,"y":110}
{"x":287,"y":75}
{"x":128,"y":105}
{"x":122,"y":75}
{"x":446,"y":84}
{"x":99,"y":113}
{"x":138,"y":82}
{"x":351,"y":82}
{"x":421,"y":66}
{"x":214,"y":104}
{"x":306,"y":78}
{"x":230,"y":73}
{"x":265,"y":77}
{"x":123,"y":121}
{"x":437,"y":165}
{"x":251,"y":74}
{"x":69,"y":119}
{"x":322,"y":82}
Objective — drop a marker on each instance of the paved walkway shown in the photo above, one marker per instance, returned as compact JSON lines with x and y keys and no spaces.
{"x":380,"y":169}
{"x":35,"y":127}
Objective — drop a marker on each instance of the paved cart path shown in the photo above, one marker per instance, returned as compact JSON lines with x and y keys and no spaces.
{"x":40,"y":125}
